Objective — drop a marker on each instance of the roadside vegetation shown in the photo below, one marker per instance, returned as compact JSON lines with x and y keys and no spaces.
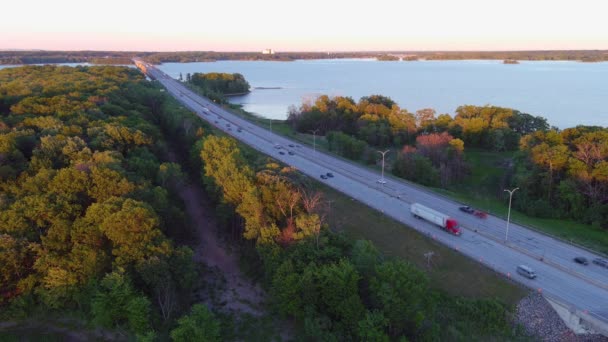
{"x":332,"y":286}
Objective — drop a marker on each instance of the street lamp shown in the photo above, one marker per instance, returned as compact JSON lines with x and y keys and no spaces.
{"x":270,"y":122}
{"x":509,"y":214}
{"x":314,"y":140}
{"x":381,"y":180}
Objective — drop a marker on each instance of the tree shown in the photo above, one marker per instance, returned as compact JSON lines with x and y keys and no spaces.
{"x":199,"y":325}
{"x":425,"y":118}
{"x":170,"y":172}
{"x":401,"y":293}
{"x":224,"y":163}
{"x":372,"y":327}
{"x":134,"y":233}
{"x":116,"y":302}
{"x":286,"y":289}
{"x":365,"y":257}
{"x":333,"y":290}
{"x":308,"y":225}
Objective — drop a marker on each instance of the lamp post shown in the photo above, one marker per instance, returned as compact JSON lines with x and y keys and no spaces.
{"x":314,"y":140}
{"x":381,"y":180}
{"x":270,"y":123}
{"x":509,"y":213}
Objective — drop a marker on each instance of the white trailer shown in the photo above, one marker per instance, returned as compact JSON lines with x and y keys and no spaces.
{"x":442,"y":220}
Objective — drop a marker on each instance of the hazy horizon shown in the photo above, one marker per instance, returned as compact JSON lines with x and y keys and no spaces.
{"x":315,"y":26}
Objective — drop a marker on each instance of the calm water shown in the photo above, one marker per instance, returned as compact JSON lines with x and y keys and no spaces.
{"x":566,"y":93}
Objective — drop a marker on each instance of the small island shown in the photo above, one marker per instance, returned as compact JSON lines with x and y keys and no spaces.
{"x":510,"y":61}
{"x":385,"y":58}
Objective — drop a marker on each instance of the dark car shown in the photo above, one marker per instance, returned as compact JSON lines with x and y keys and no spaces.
{"x":467,"y":210}
{"x":239,"y":130}
{"x":323,"y":177}
{"x":581,"y":260}
{"x":281,"y":153}
{"x":330,"y":175}
{"x":291,"y":145}
{"x":290,"y":153}
{"x":600,"y":262}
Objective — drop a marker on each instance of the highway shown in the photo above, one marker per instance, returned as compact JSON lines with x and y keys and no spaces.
{"x":582,"y":287}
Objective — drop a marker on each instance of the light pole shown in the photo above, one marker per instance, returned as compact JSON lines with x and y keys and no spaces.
{"x":270,"y":123}
{"x":381,"y":180}
{"x":509,"y":214}
{"x":314,"y":140}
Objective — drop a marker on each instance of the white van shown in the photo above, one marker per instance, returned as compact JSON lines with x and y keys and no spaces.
{"x":526,"y":271}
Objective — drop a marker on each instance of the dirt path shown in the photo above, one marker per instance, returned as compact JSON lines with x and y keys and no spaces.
{"x":240,"y":294}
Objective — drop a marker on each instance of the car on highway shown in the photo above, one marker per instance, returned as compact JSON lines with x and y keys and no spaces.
{"x":291,"y":145}
{"x":600,"y":262}
{"x":581,"y":260}
{"x":215,"y":121}
{"x":526,"y":271}
{"x":239,"y":130}
{"x":277,"y":146}
{"x":281,"y":153}
{"x":290,"y":153}
{"x":323,"y":177}
{"x":330,"y":175}
{"x":467,"y":209}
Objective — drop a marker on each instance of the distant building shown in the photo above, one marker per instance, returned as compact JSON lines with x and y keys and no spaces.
{"x":267,"y":52}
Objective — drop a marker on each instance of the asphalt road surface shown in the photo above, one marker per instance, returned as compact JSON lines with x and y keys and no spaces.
{"x":583,"y":287}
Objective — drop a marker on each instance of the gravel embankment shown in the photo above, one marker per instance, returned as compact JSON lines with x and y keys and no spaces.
{"x":539,"y":320}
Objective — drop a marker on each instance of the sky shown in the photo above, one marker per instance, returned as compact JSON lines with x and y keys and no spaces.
{"x":311,"y":25}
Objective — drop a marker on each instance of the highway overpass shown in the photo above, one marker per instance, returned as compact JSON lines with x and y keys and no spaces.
{"x":583,"y":289}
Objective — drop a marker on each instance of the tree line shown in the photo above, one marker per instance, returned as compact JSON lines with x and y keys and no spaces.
{"x":119,"y":57}
{"x":561,"y":170}
{"x":564,"y":174}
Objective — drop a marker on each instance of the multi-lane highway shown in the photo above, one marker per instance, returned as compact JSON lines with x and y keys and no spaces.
{"x":584,"y":288}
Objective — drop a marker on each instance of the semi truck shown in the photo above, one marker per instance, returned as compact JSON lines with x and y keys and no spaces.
{"x":442,"y":220}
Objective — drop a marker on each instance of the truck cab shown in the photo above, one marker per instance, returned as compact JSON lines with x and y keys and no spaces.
{"x":452,"y":226}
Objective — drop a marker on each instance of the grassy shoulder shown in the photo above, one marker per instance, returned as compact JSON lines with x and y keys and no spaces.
{"x":477,"y":190}
{"x":449,"y":270}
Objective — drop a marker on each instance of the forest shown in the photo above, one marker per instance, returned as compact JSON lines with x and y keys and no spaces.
{"x":562,"y":173}
{"x":89,"y":226}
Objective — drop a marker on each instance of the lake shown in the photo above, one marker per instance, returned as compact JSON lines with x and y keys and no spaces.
{"x":566,"y":93}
